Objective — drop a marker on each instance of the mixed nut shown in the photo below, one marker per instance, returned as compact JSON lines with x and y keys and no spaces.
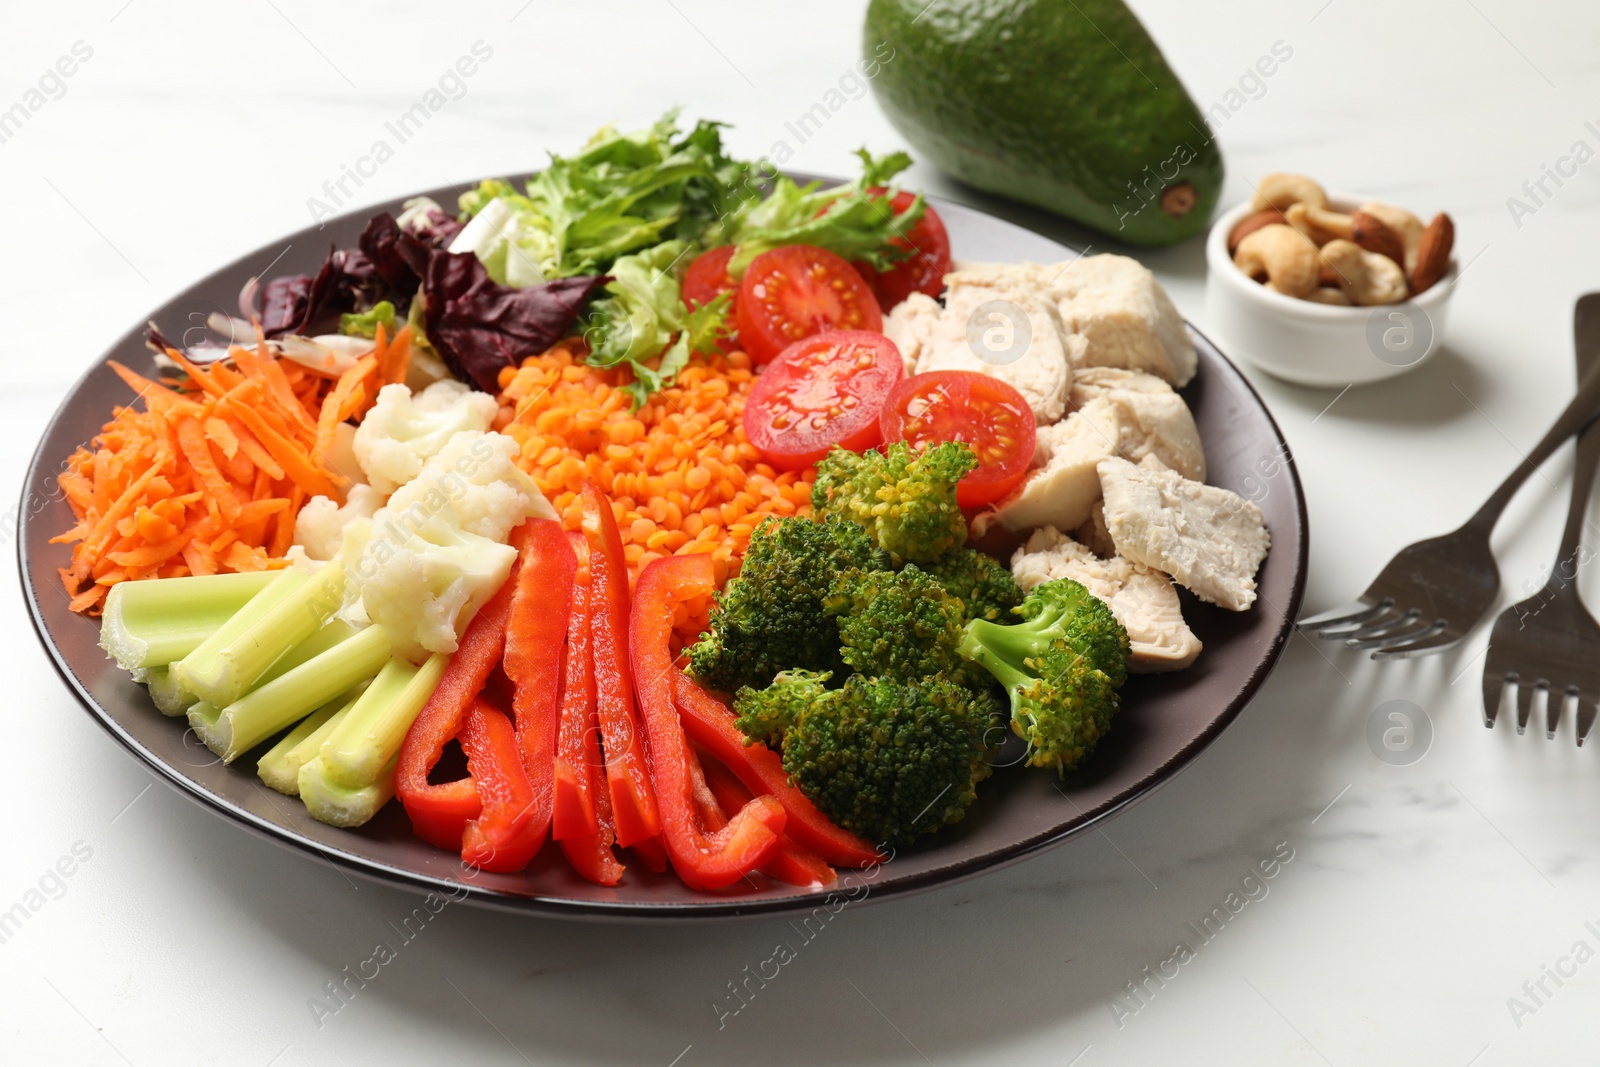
{"x":1296,"y":244}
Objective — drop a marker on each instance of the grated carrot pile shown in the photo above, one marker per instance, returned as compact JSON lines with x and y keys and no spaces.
{"x":681,"y":476}
{"x":209,"y":477}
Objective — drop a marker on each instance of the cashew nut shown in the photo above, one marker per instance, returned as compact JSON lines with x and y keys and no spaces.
{"x":1367,"y":278}
{"x":1319,"y":224}
{"x":1329,"y":294}
{"x":1405,"y":225}
{"x":1281,"y":190}
{"x":1284,"y":258}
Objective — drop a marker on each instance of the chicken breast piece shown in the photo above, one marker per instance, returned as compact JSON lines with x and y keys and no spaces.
{"x":1092,"y":534}
{"x":911,"y":325}
{"x":1125,"y":316}
{"x":1144,"y":601}
{"x":1155,"y":420}
{"x":1210,"y":540}
{"x":996,"y":324}
{"x":1065,"y":483}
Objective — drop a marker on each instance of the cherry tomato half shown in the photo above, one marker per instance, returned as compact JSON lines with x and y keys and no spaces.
{"x":706,"y":279}
{"x":924,"y":271}
{"x":963,"y":405}
{"x":798,"y":291}
{"x":823,"y":391}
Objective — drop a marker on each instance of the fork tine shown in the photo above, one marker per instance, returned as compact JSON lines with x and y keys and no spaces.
{"x":1525,"y":695}
{"x":1586,"y":716}
{"x":1360,"y":611}
{"x":1493,"y":694}
{"x":1436,"y":638}
{"x":1407,"y":643}
{"x":1556,"y":703}
{"x":1381,"y":631}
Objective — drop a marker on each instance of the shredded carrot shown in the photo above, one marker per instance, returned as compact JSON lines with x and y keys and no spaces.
{"x":681,"y":476}
{"x":203,"y":478}
{"x":348,"y":383}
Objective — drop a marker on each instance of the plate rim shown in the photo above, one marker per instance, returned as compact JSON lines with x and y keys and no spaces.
{"x":712,"y":908}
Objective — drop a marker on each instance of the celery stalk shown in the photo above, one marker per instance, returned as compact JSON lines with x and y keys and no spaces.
{"x":339,"y":805}
{"x":169,"y":697}
{"x":280,"y":767}
{"x":222,"y":673}
{"x":152,"y":623}
{"x":283,"y":585}
{"x":245,"y":723}
{"x":370,"y":735}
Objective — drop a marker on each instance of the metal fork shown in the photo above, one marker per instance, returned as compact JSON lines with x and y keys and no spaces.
{"x":1434,"y":591}
{"x":1550,"y":642}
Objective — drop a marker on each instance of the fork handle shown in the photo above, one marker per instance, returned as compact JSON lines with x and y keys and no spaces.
{"x":1585,"y":467}
{"x":1583,"y":410}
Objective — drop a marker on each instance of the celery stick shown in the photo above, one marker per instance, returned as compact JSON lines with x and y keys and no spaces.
{"x":280,"y":767}
{"x":223,"y":672}
{"x":154,"y":622}
{"x":372,"y":732}
{"x":339,"y":805}
{"x":284,"y":701}
{"x":169,"y":697}
{"x":283,"y":585}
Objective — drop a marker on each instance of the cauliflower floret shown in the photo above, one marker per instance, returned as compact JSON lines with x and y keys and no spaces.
{"x":319,"y":528}
{"x":423,"y":591}
{"x":475,"y":477}
{"x":431,"y":557}
{"x":402,"y":432}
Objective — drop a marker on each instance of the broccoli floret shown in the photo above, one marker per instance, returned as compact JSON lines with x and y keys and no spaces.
{"x":982,"y":582}
{"x":905,"y":499}
{"x":892,"y":761}
{"x":1061,"y":666}
{"x":766,"y":714}
{"x":770,"y":617}
{"x":902,"y":625}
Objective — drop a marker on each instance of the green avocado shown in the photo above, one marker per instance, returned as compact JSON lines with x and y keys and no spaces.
{"x":1064,"y":104}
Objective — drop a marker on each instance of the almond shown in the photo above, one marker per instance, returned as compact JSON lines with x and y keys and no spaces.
{"x":1433,"y":254}
{"x":1374,"y":235}
{"x":1250,"y":224}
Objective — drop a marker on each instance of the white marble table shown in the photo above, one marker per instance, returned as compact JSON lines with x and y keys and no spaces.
{"x":1419,"y":899}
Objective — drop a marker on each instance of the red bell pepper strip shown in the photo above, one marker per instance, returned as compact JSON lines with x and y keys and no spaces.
{"x":703,"y":861}
{"x":498,"y":839}
{"x":440,"y":813}
{"x":577,"y":748}
{"x":652,"y":854}
{"x":575,"y":821}
{"x":792,"y":865}
{"x":633,"y":803}
{"x":536,"y":637}
{"x":711,"y":725}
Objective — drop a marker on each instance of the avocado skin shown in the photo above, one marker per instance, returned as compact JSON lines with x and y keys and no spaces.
{"x":1064,"y":104}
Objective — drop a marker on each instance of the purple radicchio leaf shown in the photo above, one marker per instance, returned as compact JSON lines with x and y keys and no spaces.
{"x":479,"y":327}
{"x":291,"y":303}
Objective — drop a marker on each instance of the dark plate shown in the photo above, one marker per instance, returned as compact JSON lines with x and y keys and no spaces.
{"x":1167,"y":722}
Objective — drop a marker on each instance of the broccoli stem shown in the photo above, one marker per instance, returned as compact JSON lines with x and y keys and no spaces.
{"x":151,"y":624}
{"x":280,"y":767}
{"x":370,"y":734}
{"x":245,"y":723}
{"x":1003,"y":648}
{"x":231,"y":662}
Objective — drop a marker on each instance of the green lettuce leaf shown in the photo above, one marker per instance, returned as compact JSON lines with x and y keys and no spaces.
{"x":642,"y":316}
{"x":366,"y":323}
{"x":841,"y":219}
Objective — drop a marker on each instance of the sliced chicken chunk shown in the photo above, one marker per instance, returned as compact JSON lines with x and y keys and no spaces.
{"x":1127,"y":319}
{"x":1155,"y":420}
{"x":1093,"y":533}
{"x":1008,"y":330}
{"x":1065,"y":484}
{"x":1144,"y":601}
{"x":1210,"y":540}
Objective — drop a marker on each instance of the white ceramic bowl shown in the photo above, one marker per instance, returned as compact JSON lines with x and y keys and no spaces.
{"x":1311,"y":343}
